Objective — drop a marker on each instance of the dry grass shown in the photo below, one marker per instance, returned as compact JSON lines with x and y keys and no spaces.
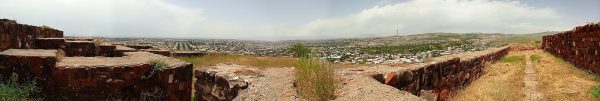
{"x":213,"y":59}
{"x":561,"y":81}
{"x":315,"y":81}
{"x":501,"y":82}
{"x":256,"y":61}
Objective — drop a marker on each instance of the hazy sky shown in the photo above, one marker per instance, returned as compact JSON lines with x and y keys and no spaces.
{"x":298,"y":19}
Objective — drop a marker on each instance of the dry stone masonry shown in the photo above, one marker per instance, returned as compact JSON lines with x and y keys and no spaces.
{"x":434,"y":80}
{"x":21,"y":36}
{"x":444,"y":75}
{"x":580,"y":46}
{"x":83,"y":69}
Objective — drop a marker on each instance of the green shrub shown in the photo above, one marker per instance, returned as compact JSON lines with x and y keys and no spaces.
{"x":596,"y":92}
{"x":299,"y":50}
{"x":12,"y":91}
{"x":535,"y":57}
{"x":315,"y":80}
{"x":158,"y":65}
{"x":512,"y":58}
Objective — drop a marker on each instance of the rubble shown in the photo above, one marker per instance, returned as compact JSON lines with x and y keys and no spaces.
{"x":211,"y":86}
{"x":580,"y":46}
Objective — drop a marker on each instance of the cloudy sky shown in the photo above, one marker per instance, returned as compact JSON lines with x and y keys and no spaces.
{"x":298,"y":19}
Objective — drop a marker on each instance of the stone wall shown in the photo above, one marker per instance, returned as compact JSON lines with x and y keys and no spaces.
{"x":50,"y":43}
{"x":80,"y":48}
{"x":107,"y":51}
{"x":21,"y":36}
{"x":444,"y":75}
{"x":580,"y":46}
{"x":159,"y":52}
{"x":140,"y":46}
{"x":131,"y":82}
{"x":98,"y":78}
{"x":188,"y":54}
{"x":27,"y":66}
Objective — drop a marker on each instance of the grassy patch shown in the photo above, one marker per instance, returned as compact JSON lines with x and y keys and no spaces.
{"x":596,"y":92}
{"x":535,"y":57}
{"x":158,"y":65}
{"x":315,"y":80}
{"x":256,"y":61}
{"x":512,"y":58}
{"x":11,"y":91}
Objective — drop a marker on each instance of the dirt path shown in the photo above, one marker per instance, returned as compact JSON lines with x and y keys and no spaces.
{"x":546,"y":78}
{"x":531,"y":82}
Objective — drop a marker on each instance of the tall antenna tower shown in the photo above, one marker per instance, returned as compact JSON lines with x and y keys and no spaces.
{"x":397,"y":32}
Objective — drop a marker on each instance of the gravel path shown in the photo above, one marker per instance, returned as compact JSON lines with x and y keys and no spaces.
{"x":531,"y":83}
{"x":277,"y":84}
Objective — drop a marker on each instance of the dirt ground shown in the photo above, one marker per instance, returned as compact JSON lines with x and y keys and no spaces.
{"x":558,"y":81}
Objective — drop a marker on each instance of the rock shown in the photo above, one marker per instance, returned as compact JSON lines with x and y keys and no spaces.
{"x":429,"y":95}
{"x":391,"y":79}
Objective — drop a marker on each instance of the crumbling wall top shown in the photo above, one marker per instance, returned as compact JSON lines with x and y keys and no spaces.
{"x":123,"y":48}
{"x":30,"y":52}
{"x":130,"y":58}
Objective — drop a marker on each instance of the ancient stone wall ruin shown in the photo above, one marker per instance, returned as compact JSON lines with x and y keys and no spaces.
{"x":69,"y":69}
{"x":131,"y":77}
{"x":580,"y":46}
{"x":438,"y":78}
{"x":21,"y":36}
{"x":444,"y":75}
{"x":188,"y":54}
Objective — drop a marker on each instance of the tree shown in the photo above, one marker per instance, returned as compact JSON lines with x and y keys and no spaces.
{"x":299,"y":50}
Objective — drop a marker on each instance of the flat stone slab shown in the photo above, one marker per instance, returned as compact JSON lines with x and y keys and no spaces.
{"x":130,"y":58}
{"x":30,"y":52}
{"x":123,"y":48}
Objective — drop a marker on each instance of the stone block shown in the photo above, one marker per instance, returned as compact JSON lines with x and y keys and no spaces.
{"x":107,"y":51}
{"x":80,"y":48}
{"x":50,"y":43}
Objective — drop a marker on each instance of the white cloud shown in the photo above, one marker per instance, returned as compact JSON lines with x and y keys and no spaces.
{"x":157,"y":18}
{"x":131,"y":18}
{"x":422,"y":16}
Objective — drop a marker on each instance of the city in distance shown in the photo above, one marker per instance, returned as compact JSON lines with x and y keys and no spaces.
{"x":315,"y":50}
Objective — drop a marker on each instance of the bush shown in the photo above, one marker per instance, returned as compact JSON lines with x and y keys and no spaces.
{"x":158,"y":65}
{"x":596,"y":92}
{"x":315,"y":81}
{"x":299,"y":50}
{"x":12,"y":91}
